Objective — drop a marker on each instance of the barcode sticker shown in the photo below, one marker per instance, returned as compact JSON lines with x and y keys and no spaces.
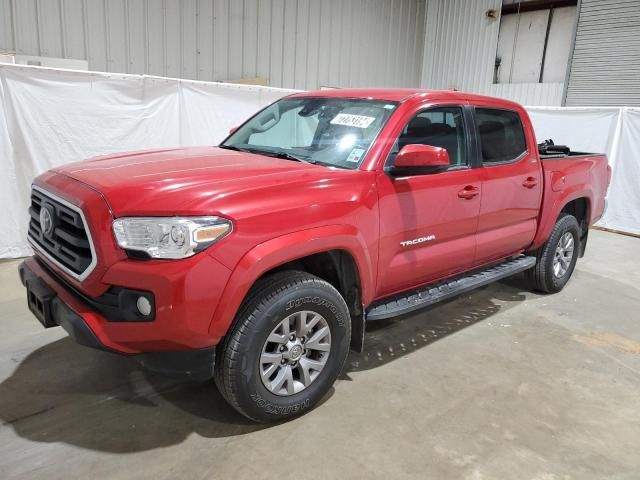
{"x":355,"y":155}
{"x":349,"y":120}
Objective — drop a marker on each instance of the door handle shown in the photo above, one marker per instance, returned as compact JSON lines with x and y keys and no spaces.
{"x":469,"y":192}
{"x":530,"y":182}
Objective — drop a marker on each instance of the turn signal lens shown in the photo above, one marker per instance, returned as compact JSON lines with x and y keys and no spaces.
{"x":208,"y":234}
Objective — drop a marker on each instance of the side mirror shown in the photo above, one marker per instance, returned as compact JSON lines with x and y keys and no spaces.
{"x":420,"y":157}
{"x":232,"y":130}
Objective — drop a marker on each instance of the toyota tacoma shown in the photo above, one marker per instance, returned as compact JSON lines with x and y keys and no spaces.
{"x":259,"y":262}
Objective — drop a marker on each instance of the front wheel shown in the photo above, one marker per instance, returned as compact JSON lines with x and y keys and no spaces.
{"x":288,"y":344}
{"x":557,"y":258}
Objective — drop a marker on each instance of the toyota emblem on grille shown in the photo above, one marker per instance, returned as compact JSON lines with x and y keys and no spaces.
{"x":46,"y":220}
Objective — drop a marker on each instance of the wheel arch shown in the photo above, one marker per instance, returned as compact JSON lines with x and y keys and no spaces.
{"x":337,"y":254}
{"x":338,"y":267}
{"x":580,"y":208}
{"x":575,"y":201}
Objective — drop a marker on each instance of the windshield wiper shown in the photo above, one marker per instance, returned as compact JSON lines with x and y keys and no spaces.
{"x":284,"y":155}
{"x":288,"y":156}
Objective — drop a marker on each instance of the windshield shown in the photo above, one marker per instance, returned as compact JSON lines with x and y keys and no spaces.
{"x":329,"y":131}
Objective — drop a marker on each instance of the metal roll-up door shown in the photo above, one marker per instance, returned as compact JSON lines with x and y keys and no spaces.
{"x":605,"y":66}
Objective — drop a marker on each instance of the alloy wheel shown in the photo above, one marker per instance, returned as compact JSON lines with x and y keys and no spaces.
{"x":295,"y":353}
{"x":563,"y":255}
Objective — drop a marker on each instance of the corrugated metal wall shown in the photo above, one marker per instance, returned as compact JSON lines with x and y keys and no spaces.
{"x":460,"y":52}
{"x":310,"y":43}
{"x":605,"y":69}
{"x":294,"y":43}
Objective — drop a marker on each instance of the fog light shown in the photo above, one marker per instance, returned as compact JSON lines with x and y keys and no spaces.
{"x":144,"y":306}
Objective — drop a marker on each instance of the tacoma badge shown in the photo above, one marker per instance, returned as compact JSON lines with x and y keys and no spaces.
{"x":418,"y":240}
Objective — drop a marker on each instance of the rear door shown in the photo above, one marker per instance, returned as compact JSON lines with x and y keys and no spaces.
{"x":511,"y":183}
{"x":428,"y":221}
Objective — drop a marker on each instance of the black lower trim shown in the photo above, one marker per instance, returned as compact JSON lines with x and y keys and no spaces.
{"x":57,"y":312}
{"x":195,"y":365}
{"x":118,"y":304}
{"x":430,"y":294}
{"x":583,"y":243}
{"x":75,"y":325}
{"x":358,"y":327}
{"x":192,"y":364}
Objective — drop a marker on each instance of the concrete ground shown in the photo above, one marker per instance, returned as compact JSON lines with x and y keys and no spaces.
{"x":500,"y":384}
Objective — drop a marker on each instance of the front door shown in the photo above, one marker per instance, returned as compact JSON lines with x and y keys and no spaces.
{"x":428,"y":222}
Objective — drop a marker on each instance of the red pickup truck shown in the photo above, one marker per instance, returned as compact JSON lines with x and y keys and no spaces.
{"x":260,"y":261}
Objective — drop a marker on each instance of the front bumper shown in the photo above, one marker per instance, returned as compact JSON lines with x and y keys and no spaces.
{"x":57,"y":304}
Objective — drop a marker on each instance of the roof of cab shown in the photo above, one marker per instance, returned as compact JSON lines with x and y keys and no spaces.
{"x":391,"y":94}
{"x":400,"y":94}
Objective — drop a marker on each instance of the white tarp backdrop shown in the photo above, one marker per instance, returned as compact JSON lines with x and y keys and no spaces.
{"x":614,"y":131}
{"x":49,"y":117}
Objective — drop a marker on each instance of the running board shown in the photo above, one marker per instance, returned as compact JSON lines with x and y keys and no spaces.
{"x":425,"y":296}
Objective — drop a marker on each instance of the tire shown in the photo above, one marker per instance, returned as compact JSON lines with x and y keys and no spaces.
{"x":542,"y":276}
{"x":239,"y":363}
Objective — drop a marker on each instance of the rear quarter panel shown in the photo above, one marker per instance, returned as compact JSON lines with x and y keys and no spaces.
{"x":567,"y":179}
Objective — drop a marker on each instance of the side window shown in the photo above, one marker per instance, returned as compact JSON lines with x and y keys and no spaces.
{"x":501,"y":135}
{"x":439,"y":127}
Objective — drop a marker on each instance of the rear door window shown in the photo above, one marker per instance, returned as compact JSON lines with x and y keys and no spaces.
{"x":501,"y":134}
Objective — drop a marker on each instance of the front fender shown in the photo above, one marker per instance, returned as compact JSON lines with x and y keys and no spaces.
{"x":284,"y":249}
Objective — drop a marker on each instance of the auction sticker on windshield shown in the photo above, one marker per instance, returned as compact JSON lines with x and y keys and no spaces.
{"x":355,"y":155}
{"x":349,"y":120}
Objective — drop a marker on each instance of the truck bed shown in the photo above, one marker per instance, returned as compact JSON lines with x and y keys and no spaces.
{"x":552,"y":156}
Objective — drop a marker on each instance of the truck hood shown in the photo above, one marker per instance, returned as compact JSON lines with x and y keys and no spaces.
{"x":190,"y":181}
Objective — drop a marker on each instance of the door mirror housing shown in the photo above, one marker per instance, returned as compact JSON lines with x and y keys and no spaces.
{"x":233,"y":129}
{"x":417,"y":159}
{"x":420,"y":159}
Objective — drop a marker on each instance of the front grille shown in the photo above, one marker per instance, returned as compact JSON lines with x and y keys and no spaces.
{"x":67,"y":242}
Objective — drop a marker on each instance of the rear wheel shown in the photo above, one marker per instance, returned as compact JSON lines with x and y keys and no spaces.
{"x":556,"y":259}
{"x":289,"y":342}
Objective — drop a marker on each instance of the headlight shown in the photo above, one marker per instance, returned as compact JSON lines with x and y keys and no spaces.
{"x":169,"y":237}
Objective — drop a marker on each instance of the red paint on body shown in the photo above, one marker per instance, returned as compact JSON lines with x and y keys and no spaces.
{"x":283,"y":210}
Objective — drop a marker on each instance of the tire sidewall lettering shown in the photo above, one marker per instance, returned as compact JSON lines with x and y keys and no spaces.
{"x":279,"y":409}
{"x":316,"y":300}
